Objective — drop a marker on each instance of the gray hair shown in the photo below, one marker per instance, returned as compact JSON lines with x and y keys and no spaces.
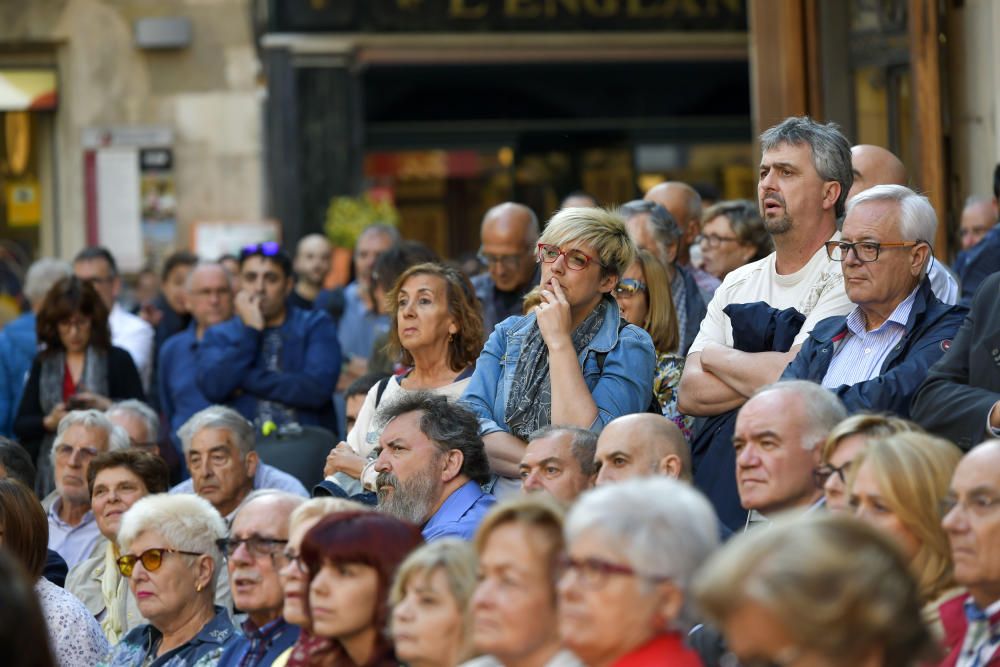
{"x":582,"y":443}
{"x":142,"y":411}
{"x":218,"y":416}
{"x":831,"y":151}
{"x":821,"y":408}
{"x":917,"y":219}
{"x":381,"y":228}
{"x":290,"y":499}
{"x":42,"y":275}
{"x":117,"y":436}
{"x":662,"y":223}
{"x":204,"y":264}
{"x":663,"y":527}
{"x":185,"y":521}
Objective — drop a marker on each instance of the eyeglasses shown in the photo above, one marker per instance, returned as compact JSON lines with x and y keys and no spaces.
{"x":629,"y":287}
{"x":978,"y":504}
{"x":825,"y":471}
{"x":714,"y":240}
{"x":258,"y":546}
{"x":594,"y":572}
{"x":267,"y":249}
{"x":66,"y":451}
{"x":296,"y":560}
{"x":865,"y":251}
{"x":152,"y":447}
{"x":151,"y":559}
{"x":506,"y":261}
{"x":78,"y":323}
{"x":576,"y":260}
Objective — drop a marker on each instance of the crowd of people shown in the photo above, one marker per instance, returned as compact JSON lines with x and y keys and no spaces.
{"x":675,"y":432}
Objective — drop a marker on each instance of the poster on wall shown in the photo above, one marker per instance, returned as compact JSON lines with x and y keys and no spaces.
{"x":159,"y":204}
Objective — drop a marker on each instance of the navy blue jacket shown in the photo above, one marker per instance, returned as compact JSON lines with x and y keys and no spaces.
{"x":978,"y":263}
{"x":929,"y":330}
{"x":231,"y":368}
{"x":695,"y":309}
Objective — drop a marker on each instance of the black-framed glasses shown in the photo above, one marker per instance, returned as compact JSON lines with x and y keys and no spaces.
{"x":506,"y":261}
{"x":64,"y":451}
{"x":576,"y":260}
{"x":296,"y":560}
{"x":714,"y":240}
{"x":594,"y":572}
{"x":629,"y":287}
{"x":267,"y":249}
{"x":151,"y":559}
{"x":865,"y":251}
{"x":258,"y":546}
{"x":825,"y":471}
{"x":152,"y":446}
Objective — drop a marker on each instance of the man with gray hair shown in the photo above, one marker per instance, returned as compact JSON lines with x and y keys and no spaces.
{"x":508,"y":237}
{"x":81,"y":435}
{"x":559,"y":461}
{"x":778,"y":440}
{"x":979,"y":215}
{"x":219,"y":450}
{"x":255,"y":554}
{"x":654,"y":229}
{"x":875,"y":357}
{"x":139,"y":421}
{"x":18,"y":343}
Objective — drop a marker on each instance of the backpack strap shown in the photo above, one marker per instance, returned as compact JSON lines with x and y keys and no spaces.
{"x":382,"y":384}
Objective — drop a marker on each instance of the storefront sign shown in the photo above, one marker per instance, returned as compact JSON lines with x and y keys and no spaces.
{"x":507,"y":15}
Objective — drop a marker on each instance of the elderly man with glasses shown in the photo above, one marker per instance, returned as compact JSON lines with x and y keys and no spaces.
{"x":876,"y":356}
{"x":508,"y":236}
{"x":254,"y":553}
{"x":82,"y":435}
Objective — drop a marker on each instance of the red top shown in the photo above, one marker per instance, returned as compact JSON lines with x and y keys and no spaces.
{"x":661,"y":651}
{"x":69,"y":387}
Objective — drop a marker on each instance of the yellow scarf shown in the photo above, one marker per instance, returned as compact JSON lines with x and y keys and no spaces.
{"x":114,"y":590}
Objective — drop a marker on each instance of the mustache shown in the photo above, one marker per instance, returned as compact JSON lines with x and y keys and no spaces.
{"x":774,"y":196}
{"x":251,"y":575}
{"x":386,"y":479}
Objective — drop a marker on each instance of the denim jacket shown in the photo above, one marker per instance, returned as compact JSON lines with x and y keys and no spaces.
{"x":624,"y":385}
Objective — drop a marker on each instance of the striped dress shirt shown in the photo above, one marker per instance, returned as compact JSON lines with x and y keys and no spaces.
{"x":861,"y":353}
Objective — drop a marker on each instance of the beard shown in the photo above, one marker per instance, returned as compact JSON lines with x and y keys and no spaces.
{"x":775,"y":225}
{"x":411,"y":500}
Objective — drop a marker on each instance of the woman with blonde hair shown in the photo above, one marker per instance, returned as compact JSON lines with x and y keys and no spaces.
{"x":644,"y":298}
{"x":815,"y":590}
{"x":898,"y":485}
{"x":843,"y":444}
{"x":572,"y":360}
{"x":430,"y":622}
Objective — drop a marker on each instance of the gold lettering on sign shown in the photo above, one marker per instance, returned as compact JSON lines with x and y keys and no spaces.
{"x":558,"y":7}
{"x":642,"y":9}
{"x":602,"y":8}
{"x":521,"y":9}
{"x":461,"y":9}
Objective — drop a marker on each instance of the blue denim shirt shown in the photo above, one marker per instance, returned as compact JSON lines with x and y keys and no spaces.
{"x":203,"y":650}
{"x":460,"y":514}
{"x":17,"y":350}
{"x":624,"y":386}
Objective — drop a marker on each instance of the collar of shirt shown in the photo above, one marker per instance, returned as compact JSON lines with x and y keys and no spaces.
{"x":55,"y":518}
{"x":264,"y":632}
{"x":899,"y":317}
{"x":455,"y":505}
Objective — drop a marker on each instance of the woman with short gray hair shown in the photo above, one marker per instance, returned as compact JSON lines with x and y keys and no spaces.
{"x":171,"y":558}
{"x":632,"y":550}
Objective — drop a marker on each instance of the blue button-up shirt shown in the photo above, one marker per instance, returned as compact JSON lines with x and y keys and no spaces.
{"x":180,"y":396}
{"x":73,"y":543}
{"x":358,"y":326}
{"x":460,"y":514}
{"x":137,"y":647}
{"x":863,"y":352}
{"x":259,"y":646}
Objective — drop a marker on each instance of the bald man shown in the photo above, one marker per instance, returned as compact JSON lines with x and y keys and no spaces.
{"x":509,"y":234}
{"x":684,"y":203}
{"x":874,"y":165}
{"x":312,"y":261}
{"x":978,"y":217}
{"x":640,"y":445}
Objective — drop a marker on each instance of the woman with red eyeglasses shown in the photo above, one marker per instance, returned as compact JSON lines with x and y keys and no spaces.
{"x":171,"y":558}
{"x":573,"y":360}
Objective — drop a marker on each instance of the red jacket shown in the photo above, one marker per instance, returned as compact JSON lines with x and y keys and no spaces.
{"x":661,"y":651}
{"x":955,"y":625}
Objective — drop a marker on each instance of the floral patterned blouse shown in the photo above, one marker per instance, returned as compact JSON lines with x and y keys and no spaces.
{"x":138,"y":647}
{"x":665,"y":380}
{"x":76,"y":637}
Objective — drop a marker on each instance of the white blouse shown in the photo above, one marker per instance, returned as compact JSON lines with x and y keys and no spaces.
{"x":76,"y":638}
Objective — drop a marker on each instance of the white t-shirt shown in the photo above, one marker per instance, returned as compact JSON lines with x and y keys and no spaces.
{"x":816,"y":290}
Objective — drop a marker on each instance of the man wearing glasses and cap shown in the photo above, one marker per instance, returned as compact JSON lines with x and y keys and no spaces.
{"x":508,"y":234}
{"x":275,"y":364}
{"x":875,"y":357}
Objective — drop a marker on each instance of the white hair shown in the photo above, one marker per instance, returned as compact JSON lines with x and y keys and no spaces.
{"x":218,"y":416}
{"x":42,"y":275}
{"x":185,"y":522}
{"x":142,"y":411}
{"x":117,"y":436}
{"x":821,"y":408}
{"x":917,"y":219}
{"x":663,"y":527}
{"x":203,"y":264}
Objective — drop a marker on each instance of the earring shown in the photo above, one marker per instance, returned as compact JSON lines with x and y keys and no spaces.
{"x":451,"y":337}
{"x":198,"y":587}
